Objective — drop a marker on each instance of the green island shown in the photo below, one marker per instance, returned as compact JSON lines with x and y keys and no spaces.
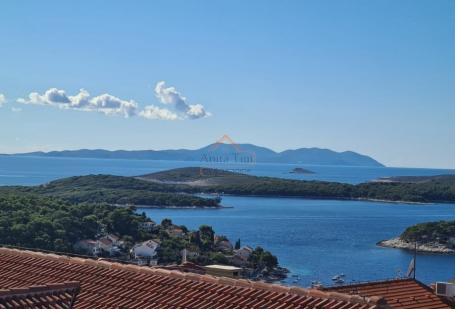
{"x":196,"y":180}
{"x":33,"y":221}
{"x":180,"y":188}
{"x":431,"y":237}
{"x":115,"y":190}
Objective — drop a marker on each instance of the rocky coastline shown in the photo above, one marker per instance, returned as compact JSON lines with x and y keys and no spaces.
{"x":429,"y":247}
{"x":274,"y":275}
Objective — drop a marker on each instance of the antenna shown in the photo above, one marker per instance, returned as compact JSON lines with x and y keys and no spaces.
{"x":415,"y":258}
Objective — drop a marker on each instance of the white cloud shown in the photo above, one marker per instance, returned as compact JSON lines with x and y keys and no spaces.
{"x":80,"y":100}
{"x":16,"y":109}
{"x":105,"y":103}
{"x":111,"y":105}
{"x":154,"y":112}
{"x":2,"y":99}
{"x":53,"y":96}
{"x":170,"y":96}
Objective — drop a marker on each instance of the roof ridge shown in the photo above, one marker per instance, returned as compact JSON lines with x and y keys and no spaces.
{"x":242,"y":283}
{"x":379,"y":281}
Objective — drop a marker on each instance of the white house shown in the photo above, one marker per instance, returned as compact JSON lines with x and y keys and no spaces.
{"x":146,"y":249}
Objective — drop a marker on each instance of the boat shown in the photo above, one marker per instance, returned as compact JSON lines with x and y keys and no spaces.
{"x":339,"y":281}
{"x":315,"y":283}
{"x":338,"y":277}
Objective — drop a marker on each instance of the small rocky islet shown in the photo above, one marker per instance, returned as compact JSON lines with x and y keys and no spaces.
{"x":300,"y":170}
{"x":430,"y":237}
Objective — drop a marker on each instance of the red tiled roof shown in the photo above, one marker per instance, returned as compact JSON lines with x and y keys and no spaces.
{"x":56,"y":296}
{"x":112,"y":285}
{"x":105,"y":241}
{"x":399,"y":293}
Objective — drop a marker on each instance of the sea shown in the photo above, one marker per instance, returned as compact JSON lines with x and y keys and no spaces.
{"x":314,"y":239}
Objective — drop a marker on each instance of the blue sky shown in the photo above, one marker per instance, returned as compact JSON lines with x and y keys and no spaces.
{"x":376,"y":77}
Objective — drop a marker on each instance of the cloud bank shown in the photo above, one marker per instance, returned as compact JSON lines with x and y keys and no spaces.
{"x":111,"y":105}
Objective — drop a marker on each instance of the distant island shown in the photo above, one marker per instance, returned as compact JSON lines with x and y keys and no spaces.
{"x":197,"y":179}
{"x":415,"y":179}
{"x":430,"y":237}
{"x":182,"y":187}
{"x":221,"y":151}
{"x":116,"y":191}
{"x":300,"y":170}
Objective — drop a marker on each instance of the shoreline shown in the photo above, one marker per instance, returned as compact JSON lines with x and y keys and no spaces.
{"x":172,"y":207}
{"x":336,"y":199}
{"x":433,"y":248}
{"x":284,"y":196}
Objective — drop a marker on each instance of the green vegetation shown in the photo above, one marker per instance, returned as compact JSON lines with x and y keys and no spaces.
{"x":148,"y":191}
{"x":189,"y":174}
{"x":237,"y":244}
{"x":433,"y":189}
{"x":47,"y":223}
{"x":186,"y":177}
{"x":436,"y":232}
{"x":31,"y":221}
{"x":165,"y":191}
{"x":261,"y":259}
{"x":204,"y":247}
{"x":116,"y":190}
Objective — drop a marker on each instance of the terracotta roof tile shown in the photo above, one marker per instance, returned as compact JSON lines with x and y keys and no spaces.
{"x":399,"y":293}
{"x":113,"y":285}
{"x":58,"y":296}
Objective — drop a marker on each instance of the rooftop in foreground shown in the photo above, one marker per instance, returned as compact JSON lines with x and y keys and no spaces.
{"x":225,"y":267}
{"x":112,"y":285}
{"x":399,"y":293}
{"x":56,"y":296}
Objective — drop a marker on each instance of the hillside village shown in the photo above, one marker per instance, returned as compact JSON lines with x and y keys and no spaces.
{"x":172,"y":245}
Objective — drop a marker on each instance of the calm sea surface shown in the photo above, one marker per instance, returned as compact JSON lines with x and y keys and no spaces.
{"x":314,"y":239}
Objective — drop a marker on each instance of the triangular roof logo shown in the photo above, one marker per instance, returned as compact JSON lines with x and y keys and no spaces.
{"x":226,"y":139}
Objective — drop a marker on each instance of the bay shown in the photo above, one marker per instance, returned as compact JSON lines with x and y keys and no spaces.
{"x":315,"y":239}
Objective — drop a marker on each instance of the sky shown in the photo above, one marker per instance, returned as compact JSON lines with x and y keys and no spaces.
{"x":375,"y":77}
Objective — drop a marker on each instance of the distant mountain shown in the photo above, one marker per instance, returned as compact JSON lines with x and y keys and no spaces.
{"x":227,"y":152}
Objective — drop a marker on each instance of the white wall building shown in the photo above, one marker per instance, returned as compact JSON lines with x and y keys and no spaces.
{"x":147,"y":249}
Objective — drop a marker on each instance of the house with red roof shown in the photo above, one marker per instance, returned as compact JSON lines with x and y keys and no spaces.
{"x":405,"y":293}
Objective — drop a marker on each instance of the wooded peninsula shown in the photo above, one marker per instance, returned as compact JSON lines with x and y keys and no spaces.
{"x":182,"y":187}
